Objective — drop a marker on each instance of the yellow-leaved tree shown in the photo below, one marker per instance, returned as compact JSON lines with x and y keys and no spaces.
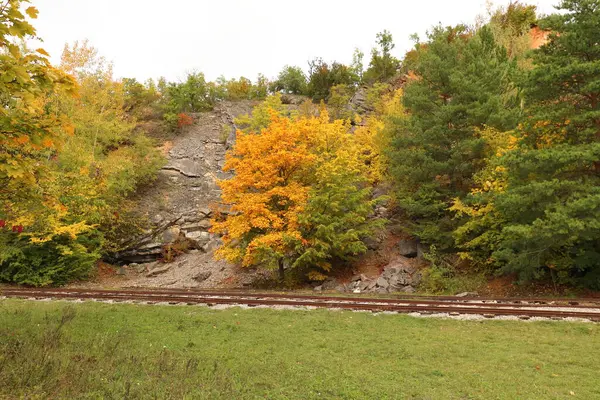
{"x":371,"y":136}
{"x":32,"y":129}
{"x":106,"y":152}
{"x":266,"y":195}
{"x":299,"y":196}
{"x":339,"y":212}
{"x":69,"y":157}
{"x":483,"y":224}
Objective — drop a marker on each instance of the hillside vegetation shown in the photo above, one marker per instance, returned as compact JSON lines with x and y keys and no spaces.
{"x":483,"y":142}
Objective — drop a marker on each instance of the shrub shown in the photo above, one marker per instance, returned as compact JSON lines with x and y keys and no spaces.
{"x":290,"y":80}
{"x":56,"y":262}
{"x":184,"y":120}
{"x":323,"y":77}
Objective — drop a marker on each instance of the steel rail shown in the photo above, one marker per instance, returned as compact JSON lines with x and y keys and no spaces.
{"x":400,"y":300}
{"x":446,"y":308}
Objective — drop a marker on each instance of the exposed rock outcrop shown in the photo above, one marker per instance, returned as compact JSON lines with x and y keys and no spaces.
{"x":178,"y":202}
{"x":398,"y":276}
{"x":195,"y":269}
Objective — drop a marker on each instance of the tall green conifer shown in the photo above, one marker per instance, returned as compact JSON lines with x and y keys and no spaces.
{"x":552,"y":202}
{"x":463,"y":83}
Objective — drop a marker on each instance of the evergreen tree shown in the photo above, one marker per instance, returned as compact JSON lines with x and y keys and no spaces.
{"x":552,"y":202}
{"x":462,"y":84}
{"x":383,"y":65}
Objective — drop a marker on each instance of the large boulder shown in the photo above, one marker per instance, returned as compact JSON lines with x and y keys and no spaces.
{"x":408,"y":247}
{"x":329,"y":284}
{"x":198,"y":238}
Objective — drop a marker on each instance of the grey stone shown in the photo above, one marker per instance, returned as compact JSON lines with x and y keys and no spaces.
{"x":187,"y":167}
{"x":392,"y":269}
{"x":382,"y":282}
{"x":191,"y":219}
{"x":364,"y":285}
{"x":359,"y":102}
{"x":408,"y":289}
{"x":139,"y":268}
{"x":212,"y":245}
{"x":404,"y":279}
{"x":408,"y":247}
{"x":121,"y":271}
{"x":205,"y":211}
{"x":202,"y":276}
{"x":467,"y":294}
{"x":318,"y":288}
{"x":359,"y":277}
{"x":150,"y":246}
{"x":171,"y":234}
{"x":201,"y":238}
{"x":401,"y":264}
{"x":187,"y":185}
{"x":329,"y":284}
{"x":421,"y":250}
{"x":341,"y":288}
{"x":198,"y":235}
{"x":158,"y":271}
{"x":381,"y":290}
{"x":372,"y":284}
{"x":373,"y":243}
{"x":197,"y":226}
{"x":416,"y":278}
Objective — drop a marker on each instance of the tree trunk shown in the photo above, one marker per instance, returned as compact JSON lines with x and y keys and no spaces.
{"x":281,"y":271}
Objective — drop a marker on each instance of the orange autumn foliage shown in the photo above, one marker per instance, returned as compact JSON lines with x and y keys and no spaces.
{"x":267,"y":193}
{"x":184,"y":120}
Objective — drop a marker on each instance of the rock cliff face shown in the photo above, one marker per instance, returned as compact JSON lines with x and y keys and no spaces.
{"x":178,"y":203}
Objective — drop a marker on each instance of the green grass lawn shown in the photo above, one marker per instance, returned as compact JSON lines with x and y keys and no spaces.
{"x":102,"y":351}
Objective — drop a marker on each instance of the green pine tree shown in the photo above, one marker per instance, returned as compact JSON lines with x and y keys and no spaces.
{"x":463,"y":84}
{"x":551,"y":206}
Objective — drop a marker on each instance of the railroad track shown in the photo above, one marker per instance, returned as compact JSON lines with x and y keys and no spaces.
{"x":488,"y":307}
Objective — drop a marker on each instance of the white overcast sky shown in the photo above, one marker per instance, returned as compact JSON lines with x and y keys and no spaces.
{"x":149,"y":38}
